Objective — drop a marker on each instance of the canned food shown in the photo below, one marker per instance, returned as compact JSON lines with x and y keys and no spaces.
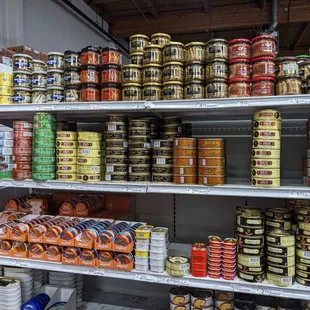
{"x":201,"y":299}
{"x":211,"y":180}
{"x":88,"y":153}
{"x":86,"y":169}
{"x":152,"y":53}
{"x":43,"y":168}
{"x":180,"y":296}
{"x":43,"y":176}
{"x":266,"y":173}
{"x":267,"y":134}
{"x":66,"y":177}
{"x":251,"y":260}
{"x":90,"y":161}
{"x":283,"y":251}
{"x":42,"y":160}
{"x":21,"y":79}
{"x":280,"y":260}
{"x":219,"y":152}
{"x":89,"y":136}
{"x":279,"y":280}
{"x":280,"y":238}
{"x":211,"y":162}
{"x":44,"y":151}
{"x":250,"y":250}
{"x":161,"y":177}
{"x":278,"y":224}
{"x":66,"y":152}
{"x":89,"y":177}
{"x":185,"y":179}
{"x":22,"y":62}
{"x":66,"y":168}
{"x":251,"y":231}
{"x":109,"y":160}
{"x":264,"y":153}
{"x":66,"y":135}
{"x":131,"y":74}
{"x":182,"y":161}
{"x":251,"y":240}
{"x":254,"y":277}
{"x":267,"y":114}
{"x":259,"y":182}
{"x":266,"y":144}
{"x":265,"y":163}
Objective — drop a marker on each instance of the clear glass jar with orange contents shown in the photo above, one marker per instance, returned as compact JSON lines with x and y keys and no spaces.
{"x":263,"y":86}
{"x":239,"y":87}
{"x":90,"y":74}
{"x":239,"y":68}
{"x":90,"y":92}
{"x":111,"y":74}
{"x":263,"y":66}
{"x":90,"y":55}
{"x":239,"y":48}
{"x":263,"y":45}
{"x":111,"y":92}
{"x":111,"y":56}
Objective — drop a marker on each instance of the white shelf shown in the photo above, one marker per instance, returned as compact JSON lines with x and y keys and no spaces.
{"x":238,"y":190}
{"x":296,"y":291}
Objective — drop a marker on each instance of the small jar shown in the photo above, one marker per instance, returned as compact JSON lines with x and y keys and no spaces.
{"x":72,"y":59}
{"x":90,"y":92}
{"x":21,"y":95}
{"x":55,"y":95}
{"x":160,"y":39}
{"x":240,"y":68}
{"x":152,"y":54}
{"x":72,"y":93}
{"x":216,"y":68}
{"x":173,"y":71}
{"x":39,"y":80}
{"x":131,"y":74}
{"x":136,"y":58}
{"x":216,"y":48}
{"x":111,"y":74}
{"x":90,"y":74}
{"x":111,"y":56}
{"x":131,"y":92}
{"x":216,"y":88}
{"x":286,"y":67}
{"x":111,"y":92}
{"x":263,"y":66}
{"x":38,"y":66}
{"x":152,"y":91}
{"x":262,"y":86}
{"x":38,"y":95}
{"x":22,"y":79}
{"x":289,"y":86}
{"x":72,"y":76}
{"x":263,"y":45}
{"x":55,"y":60}
{"x":22,"y":62}
{"x":173,"y":91}
{"x":173,"y":51}
{"x":55,"y":78}
{"x":304,"y":71}
{"x":90,"y":55}
{"x":137,"y":43}
{"x":194,"y":90}
{"x":152,"y":73}
{"x":195,"y":51}
{"x":239,"y":48}
{"x":239,"y":87}
{"x":194,"y":71}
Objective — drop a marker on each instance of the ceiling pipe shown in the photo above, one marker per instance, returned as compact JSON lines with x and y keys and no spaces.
{"x":274,"y":22}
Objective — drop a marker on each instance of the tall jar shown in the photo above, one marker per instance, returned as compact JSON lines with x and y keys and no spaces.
{"x":152,"y":73}
{"x":216,"y":48}
{"x":173,"y":71}
{"x":263,"y":45}
{"x":173,"y":51}
{"x":263,"y":67}
{"x":239,"y":48}
{"x":194,"y":71}
{"x":239,"y":68}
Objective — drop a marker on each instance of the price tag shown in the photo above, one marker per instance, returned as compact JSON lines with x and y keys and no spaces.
{"x":94,"y":107}
{"x":145,"y":278}
{"x":275,"y":293}
{"x":299,"y":194}
{"x":205,"y":105}
{"x":70,"y":186}
{"x":300,"y":101}
{"x":5,"y":183}
{"x":172,"y":281}
{"x":41,"y":185}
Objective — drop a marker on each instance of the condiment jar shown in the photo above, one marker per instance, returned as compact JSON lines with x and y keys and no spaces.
{"x":194,"y":90}
{"x":173,"y":71}
{"x":72,"y":59}
{"x":38,"y":66}
{"x":160,"y":39}
{"x":111,"y":92}
{"x":152,"y":91}
{"x":55,"y":77}
{"x":137,"y":43}
{"x":90,"y":74}
{"x":173,"y":91}
{"x":72,"y":76}
{"x":152,"y":73}
{"x":39,"y":80}
{"x":21,"y":95}
{"x":289,"y":86}
{"x":173,"y":51}
{"x":239,"y":48}
{"x":286,"y":67}
{"x":216,"y":68}
{"x":195,"y":51}
{"x":55,"y":95}
{"x":22,"y":62}
{"x":216,"y":88}
{"x":152,"y":54}
{"x":263,"y":86}
{"x":131,"y":74}
{"x":216,"y":48}
{"x":55,"y":60}
{"x":72,"y":93}
{"x":90,"y":55}
{"x":22,"y":79}
{"x":304,"y":71}
{"x":194,"y":71}
{"x":263,"y":66}
{"x":239,"y":68}
{"x":111,"y":74}
{"x":90,"y":92}
{"x":111,"y":56}
{"x":263,"y":45}
{"x":38,"y":95}
{"x":131,"y":92}
{"x":136,"y":58}
{"x":239,"y":87}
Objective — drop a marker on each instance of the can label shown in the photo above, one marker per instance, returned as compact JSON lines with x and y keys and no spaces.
{"x":89,"y":153}
{"x":267,"y":134}
{"x":66,"y":160}
{"x":89,"y":136}
{"x":22,"y":151}
{"x":88,"y":169}
{"x":95,"y":145}
{"x":66,"y":176}
{"x":266,"y":173}
{"x":66,"y":168}
{"x":49,"y":135}
{"x":43,"y":168}
{"x":260,"y":182}
{"x":21,"y":125}
{"x":64,"y":144}
{"x":264,"y":153}
{"x":89,"y":177}
{"x":92,"y":161}
{"x":41,"y":176}
{"x":44,"y":117}
{"x":43,"y":160}
{"x":66,"y":152}
{"x":23,"y":142}
{"x":44,"y":151}
{"x":266,"y":144}
{"x":40,"y":143}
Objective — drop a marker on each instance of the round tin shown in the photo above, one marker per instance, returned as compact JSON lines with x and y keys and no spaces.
{"x":264,"y":163}
{"x":280,"y":238}
{"x":88,"y":153}
{"x":266,"y":144}
{"x":278,"y":280}
{"x":89,"y":178}
{"x":251,"y":276}
{"x":66,"y":176}
{"x":267,"y":114}
{"x":43,"y":160}
{"x":267,"y":125}
{"x":282,"y":251}
{"x":65,"y":144}
{"x":266,"y":134}
{"x":260,"y":182}
{"x":264,"y":153}
{"x":280,"y":260}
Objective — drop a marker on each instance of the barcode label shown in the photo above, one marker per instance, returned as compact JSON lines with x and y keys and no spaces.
{"x":191,"y":161}
{"x":108,"y":177}
{"x":254,"y":260}
{"x":203,"y":162}
{"x":147,"y":145}
{"x":110,"y":168}
{"x":205,"y":180}
{"x":286,"y":280}
{"x":184,"y":267}
{"x":92,"y":76}
{"x":156,"y":143}
{"x":125,"y":144}
{"x":27,"y":125}
{"x":129,"y":169}
{"x":111,"y":127}
{"x":176,"y":142}
{"x":94,"y":168}
{"x":307,"y":254}
{"x":160,"y":161}
{"x":27,"y":134}
{"x":86,"y":152}
{"x":182,"y":180}
{"x":181,"y":170}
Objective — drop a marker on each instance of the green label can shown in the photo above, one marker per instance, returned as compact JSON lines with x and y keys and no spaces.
{"x":44,"y":143}
{"x":42,"y":134}
{"x":43,"y":168}
{"x":44,"y":151}
{"x":43,"y":176}
{"x":49,"y":160}
{"x":44,"y":117}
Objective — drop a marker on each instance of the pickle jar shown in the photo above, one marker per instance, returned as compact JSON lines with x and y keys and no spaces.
{"x":72,"y":76}
{"x":131,"y":74}
{"x":289,"y":86}
{"x":55,"y":78}
{"x":216,"y":88}
{"x":131,"y":92}
{"x":194,"y":90}
{"x":239,"y":49}
{"x":263,"y":66}
{"x":72,"y":93}
{"x":239,"y":87}
{"x":152,"y":73}
{"x":173,"y":51}
{"x":55,"y":60}
{"x":263,"y":45}
{"x":263,"y":86}
{"x":136,"y":58}
{"x":72,"y":59}
{"x":22,"y":79}
{"x":160,"y":39}
{"x":152,"y":54}
{"x":173,"y":71}
{"x":286,"y":67}
{"x":90,"y":74}
{"x":195,"y":51}
{"x":90,"y":92}
{"x":137,"y":43}
{"x":216,"y":68}
{"x":194,"y":71}
{"x":55,"y":94}
{"x":239,"y":68}
{"x":22,"y":62}
{"x":216,"y":48}
{"x":152,"y":91}
{"x":21,"y":95}
{"x":39,"y":80}
{"x":38,"y":95}
{"x":90,"y":55}
{"x":173,"y":90}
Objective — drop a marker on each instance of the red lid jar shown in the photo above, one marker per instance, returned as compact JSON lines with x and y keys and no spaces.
{"x":239,"y":87}
{"x":239,"y":48}
{"x":263,"y":67}
{"x":262,"y":86}
{"x":239,"y":68}
{"x":263,"y":45}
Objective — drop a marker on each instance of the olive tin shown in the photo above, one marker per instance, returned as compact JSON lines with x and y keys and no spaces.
{"x":43,"y":168}
{"x":278,"y":213}
{"x":282,"y":251}
{"x":116,"y":168}
{"x":165,"y":169}
{"x":139,"y":168}
{"x":244,"y":220}
{"x":288,"y":271}
{"x":280,"y":260}
{"x":281,"y":238}
{"x":250,"y":250}
{"x":251,"y":260}
{"x":303,"y":239}
{"x":251,"y":276}
{"x":117,"y":177}
{"x":280,"y":280}
{"x":303,"y":218}
{"x":140,"y":177}
{"x":251,"y":231}
{"x":258,"y":269}
{"x":162,"y":177}
{"x":116,"y":151}
{"x":116,"y":143}
{"x":116,"y":160}
{"x":172,"y":120}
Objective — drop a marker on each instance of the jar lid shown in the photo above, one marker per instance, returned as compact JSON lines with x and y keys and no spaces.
{"x":292,"y":58}
{"x":132,"y":66}
{"x":217,"y":40}
{"x":293,"y":76}
{"x":241,"y":40}
{"x":22,"y":55}
{"x":131,"y":84}
{"x":302,"y":56}
{"x":56,"y":71}
{"x":261,"y":78}
{"x":39,"y":89}
{"x":111,"y":85}
{"x":194,"y":82}
{"x":55,"y":53}
{"x":21,"y":88}
{"x":152,"y":84}
{"x":194,"y":43}
{"x":239,"y":60}
{"x":136,"y":53}
{"x":216,"y":59}
{"x":152,"y":46}
{"x":55,"y":88}
{"x":72,"y":87}
{"x":22,"y":72}
{"x":216,"y":80}
{"x":151,"y":65}
{"x":91,"y":85}
{"x":39,"y":62}
{"x":111,"y":48}
{"x":72,"y":69}
{"x":159,"y":34}
{"x":39,"y":72}
{"x":176,"y":63}
{"x":238,"y":80}
{"x":194,"y":63}
{"x":264,"y":36}
{"x":90,"y":49}
{"x":173,"y":83}
{"x":138,"y":36}
{"x":71,"y":52}
{"x":90,"y":67}
{"x":116,"y":67}
{"x":174,"y":43}
{"x":271,"y":58}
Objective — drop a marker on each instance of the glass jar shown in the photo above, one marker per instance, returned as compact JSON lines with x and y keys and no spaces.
{"x":262,"y":86}
{"x":173,"y":91}
{"x":137,"y":43}
{"x":22,"y":79}
{"x":111,"y":92}
{"x":239,"y":87}
{"x":239,"y":68}
{"x":263,"y":66}
{"x":38,"y":95}
{"x":111,"y":56}
{"x":152,"y":91}
{"x":90,"y":92}
{"x":131,"y":74}
{"x":194,"y":90}
{"x":195,"y":51}
{"x":38,"y":66}
{"x":90,"y":55}
{"x":289,"y":86}
{"x":301,"y":58}
{"x":286,"y":67}
{"x":72,"y":59}
{"x":22,"y":62}
{"x":55,"y":78}
{"x":55,"y":95}
{"x":131,"y":92}
{"x":152,"y":73}
{"x":152,"y":54}
{"x":111,"y":74}
{"x":239,"y":48}
{"x":90,"y":74}
{"x":216,"y":48}
{"x":216,"y":68}
{"x":216,"y":88}
{"x":304,"y":71}
{"x":72,"y":76}
{"x":173,"y":71}
{"x":263,"y":45}
{"x":55,"y":60}
{"x":21,"y":95}
{"x":39,"y":80}
{"x":136,"y":58}
{"x":160,"y":39}
{"x":173,"y":51}
{"x":72,"y":93}
{"x":194,"y":71}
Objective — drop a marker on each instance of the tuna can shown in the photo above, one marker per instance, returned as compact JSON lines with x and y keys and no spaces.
{"x":260,"y":182}
{"x":89,"y":136}
{"x":157,"y":143}
{"x":301,"y":267}
{"x":250,"y":220}
{"x":117,"y":177}
{"x":211,"y":153}
{"x":16,"y":151}
{"x":303,"y":239}
{"x":117,"y":152}
{"x":115,"y":135}
{"x":201,"y":299}
{"x":139,"y":132}
{"x":162,"y":160}
{"x":278,"y":213}
{"x":48,"y":135}
{"x":266,"y":134}
{"x":266,"y":124}
{"x":139,"y":168}
{"x":266,"y":173}
{"x":66,"y":153}
{"x":211,"y":143}
{"x":211,"y":171}
{"x":278,"y":280}
{"x":162,"y":177}
{"x":250,"y":250}
{"x":184,"y":161}
{"x":288,"y":271}
{"x":66,"y":177}
{"x":185,"y":179}
{"x":22,"y":134}
{"x":89,"y":177}
{"x":88,"y":153}
{"x":280,"y":260}
{"x":48,"y":126}
{"x":274,"y":224}
{"x":251,"y":240}
{"x":66,"y":169}
{"x":163,"y":152}
{"x":85,"y":169}
{"x":224,"y":304}
{"x":43,"y":160}
{"x":303,"y":218}
{"x":165,"y":169}
{"x":251,"y":260}
{"x":116,"y":143}
{"x":40,"y":143}
{"x":22,"y":166}
{"x":267,"y":114}
{"x":116,"y":168}
{"x":251,"y":276}
{"x":22,"y":175}
{"x":263,"y":163}
{"x":66,"y":135}
{"x":139,"y":123}
{"x":41,"y":176}
{"x":251,"y":269}
{"x":119,"y":160}
{"x":171,"y":135}
{"x":139,"y":177}
{"x":94,"y":145}
{"x":211,"y":162}
{"x":180,"y":296}
{"x":280,"y":238}
{"x":185,"y":142}
{"x":251,"y":231}
{"x":185,"y":170}
{"x":118,"y":118}
{"x":266,"y":144}
{"x":303,"y":274}
{"x":43,"y":168}
{"x":61,"y":144}
{"x":282,"y":251}
{"x":211,"y":180}
{"x":66,"y":160}
{"x":304,"y":226}
{"x":137,"y":160}
{"x":264,"y":153}
{"x":44,"y":151}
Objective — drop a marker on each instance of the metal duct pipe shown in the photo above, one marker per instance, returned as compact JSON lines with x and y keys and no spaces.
{"x":274,"y":23}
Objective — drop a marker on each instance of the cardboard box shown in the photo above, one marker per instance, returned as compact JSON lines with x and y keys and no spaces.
{"x":21,"y":49}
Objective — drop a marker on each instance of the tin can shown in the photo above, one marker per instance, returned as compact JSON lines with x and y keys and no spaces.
{"x":22,"y":125}
{"x":43,"y":117}
{"x":66,"y":160}
{"x":184,"y":161}
{"x":267,"y":134}
{"x":219,"y":152}
{"x":211,"y":171}
{"x":43,"y":151}
{"x":43,"y":160}
{"x":93,"y":145}
{"x":280,"y":260}
{"x":283,"y":281}
{"x":211,"y":180}
{"x":267,"y":114}
{"x":43,"y":176}
{"x":65,"y":144}
{"x":66,"y":169}
{"x":267,"y":124}
{"x":90,"y":161}
{"x":185,"y":179}
{"x":251,"y":276}
{"x":20,"y":151}
{"x":89,"y":136}
{"x":66,"y":135}
{"x":41,"y":143}
{"x":266,"y":144}
{"x":48,"y":135}
{"x":86,"y":169}
{"x":211,"y":162}
{"x":23,"y":142}
{"x":180,"y":296}
{"x":280,"y":238}
{"x":288,"y":271}
{"x":264,"y":163}
{"x":22,"y":175}
{"x":43,"y":168}
{"x":282,"y":251}
{"x":116,"y":177}
{"x":211,"y":143}
{"x":88,"y":153}
{"x":185,"y":142}
{"x":264,"y":153}
{"x":201,"y":298}
{"x":259,"y":182}
{"x":89,"y":177}
{"x":66,"y":176}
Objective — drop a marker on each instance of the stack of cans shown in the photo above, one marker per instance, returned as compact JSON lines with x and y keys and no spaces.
{"x":153,"y":126}
{"x":44,"y":147}
{"x":89,"y":168}
{"x":143,"y":234}
{"x":171,"y":127}
{"x":199,"y":260}
{"x":215,"y":257}
{"x":6,"y":80}
{"x":116,"y":148}
{"x":278,"y":218}
{"x":162,"y":170}
{"x":266,"y":146}
{"x":158,"y":249}
{"x":22,"y":151}
{"x":6,"y":147}
{"x":66,"y":146}
{"x":140,"y":152}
